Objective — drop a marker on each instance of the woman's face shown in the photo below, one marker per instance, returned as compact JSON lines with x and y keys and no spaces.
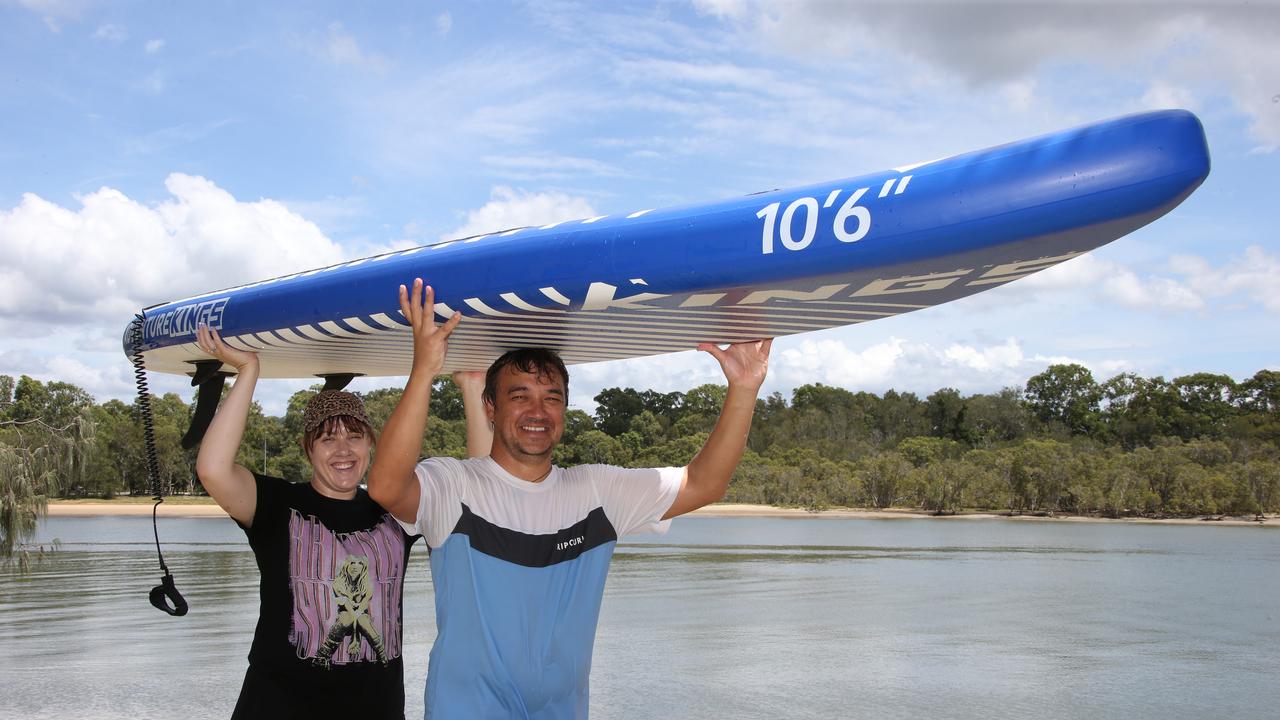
{"x":339,"y":460}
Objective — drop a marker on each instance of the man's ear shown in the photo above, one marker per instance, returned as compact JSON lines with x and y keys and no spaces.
{"x":488,"y":410}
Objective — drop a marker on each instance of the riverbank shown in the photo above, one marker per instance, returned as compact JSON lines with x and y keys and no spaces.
{"x":742,"y":510}
{"x":205,"y":507}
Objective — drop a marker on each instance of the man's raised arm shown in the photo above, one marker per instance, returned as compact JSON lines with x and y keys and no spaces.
{"x":707,"y":476}
{"x":392,"y":483}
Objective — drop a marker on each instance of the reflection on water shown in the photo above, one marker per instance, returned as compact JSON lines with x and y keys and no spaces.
{"x":728,"y":617}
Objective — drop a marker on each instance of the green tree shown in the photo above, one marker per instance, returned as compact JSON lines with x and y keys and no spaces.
{"x":446,"y":400}
{"x":1206,"y":400}
{"x":648,"y":427}
{"x":118,"y":452}
{"x":901,"y":415}
{"x":1260,"y":393}
{"x":38,"y":457}
{"x":883,"y":476}
{"x":705,"y":400}
{"x":922,"y":451}
{"x":57,"y":404}
{"x":989,"y":486}
{"x":1262,"y":478}
{"x":666,"y":406}
{"x":991,"y":419}
{"x":1066,"y":395}
{"x":615,"y":407}
{"x":942,"y":485}
{"x":576,"y":422}
{"x":1139,"y":410}
{"x":380,"y":403}
{"x":946,"y":411}
{"x":595,"y":446}
{"x":1040,"y":471}
{"x":6,"y":396}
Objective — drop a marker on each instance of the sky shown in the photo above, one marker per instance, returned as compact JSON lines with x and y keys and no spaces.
{"x":150,"y":151}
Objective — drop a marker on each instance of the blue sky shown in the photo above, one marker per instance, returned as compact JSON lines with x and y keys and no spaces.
{"x":156,"y":150}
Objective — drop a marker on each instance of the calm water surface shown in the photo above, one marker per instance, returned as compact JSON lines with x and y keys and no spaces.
{"x":728,"y":618}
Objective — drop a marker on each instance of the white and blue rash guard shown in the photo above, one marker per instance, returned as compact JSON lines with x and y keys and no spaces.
{"x":519,"y":571}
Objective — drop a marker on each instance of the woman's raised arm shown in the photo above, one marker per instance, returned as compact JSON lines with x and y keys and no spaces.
{"x":230,"y":485}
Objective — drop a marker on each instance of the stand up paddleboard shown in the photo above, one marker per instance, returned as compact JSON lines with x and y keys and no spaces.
{"x":766,"y":265}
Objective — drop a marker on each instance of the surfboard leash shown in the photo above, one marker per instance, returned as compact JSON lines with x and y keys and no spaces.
{"x":164,"y":596}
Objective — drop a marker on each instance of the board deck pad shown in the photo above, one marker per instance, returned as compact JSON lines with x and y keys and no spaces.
{"x":765,"y":265}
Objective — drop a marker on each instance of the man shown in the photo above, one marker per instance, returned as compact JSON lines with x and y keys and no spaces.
{"x":520,"y":548}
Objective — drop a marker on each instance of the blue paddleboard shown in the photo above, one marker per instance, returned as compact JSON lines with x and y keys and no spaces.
{"x":765,"y":265}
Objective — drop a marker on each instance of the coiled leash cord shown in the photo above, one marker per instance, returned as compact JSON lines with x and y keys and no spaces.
{"x":164,"y":596}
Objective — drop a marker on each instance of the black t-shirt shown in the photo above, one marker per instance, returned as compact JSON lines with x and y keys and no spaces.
{"x":328,"y":641}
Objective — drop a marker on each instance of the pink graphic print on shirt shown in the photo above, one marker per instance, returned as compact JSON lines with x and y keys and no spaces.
{"x":346,"y":591}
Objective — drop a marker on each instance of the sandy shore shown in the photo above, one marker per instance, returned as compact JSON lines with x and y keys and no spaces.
{"x":169,"y":508}
{"x":735,"y":510}
{"x":738,"y":510}
{"x":189,"y":507}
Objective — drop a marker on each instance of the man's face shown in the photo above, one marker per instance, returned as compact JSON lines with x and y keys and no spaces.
{"x":527,"y":414}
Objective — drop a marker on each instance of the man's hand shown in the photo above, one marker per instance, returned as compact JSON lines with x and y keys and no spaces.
{"x":744,"y":364}
{"x":707,"y":475}
{"x":479,"y":429}
{"x":470,"y":382}
{"x":430,"y":341}
{"x":392,"y":482}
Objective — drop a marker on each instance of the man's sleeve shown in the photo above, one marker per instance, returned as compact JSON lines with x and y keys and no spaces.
{"x":438,"y":499}
{"x":635,"y":499}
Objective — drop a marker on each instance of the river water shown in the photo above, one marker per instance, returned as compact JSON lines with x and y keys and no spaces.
{"x":727,"y":618}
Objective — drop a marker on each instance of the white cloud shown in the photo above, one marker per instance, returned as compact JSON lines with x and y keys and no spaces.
{"x":1112,"y":281}
{"x":1255,"y":275}
{"x":153,"y":46}
{"x":444,"y":23}
{"x":153,"y":83}
{"x":1192,"y":45}
{"x":733,"y":9}
{"x":1020,"y":94}
{"x":111,"y":33}
{"x":662,"y":373}
{"x":895,"y":363}
{"x":834,"y":363}
{"x":52,"y":12}
{"x":1007,"y":355}
{"x":1163,"y":94}
{"x":113,"y":255}
{"x":915,"y":366}
{"x":510,"y":208}
{"x":102,"y":379}
{"x":478,"y":105}
{"x":1129,"y":290}
{"x":548,"y":167}
{"x":108,"y":379}
{"x":341,"y":48}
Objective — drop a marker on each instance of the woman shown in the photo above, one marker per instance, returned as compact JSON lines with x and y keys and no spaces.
{"x":328,"y":638}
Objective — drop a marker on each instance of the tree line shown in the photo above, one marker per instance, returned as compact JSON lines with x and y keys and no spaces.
{"x":1064,"y":443}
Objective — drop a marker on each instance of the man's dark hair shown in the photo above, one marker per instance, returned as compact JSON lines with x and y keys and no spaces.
{"x":539,"y":361}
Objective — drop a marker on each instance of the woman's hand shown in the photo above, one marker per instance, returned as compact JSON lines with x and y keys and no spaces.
{"x":208,"y":340}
